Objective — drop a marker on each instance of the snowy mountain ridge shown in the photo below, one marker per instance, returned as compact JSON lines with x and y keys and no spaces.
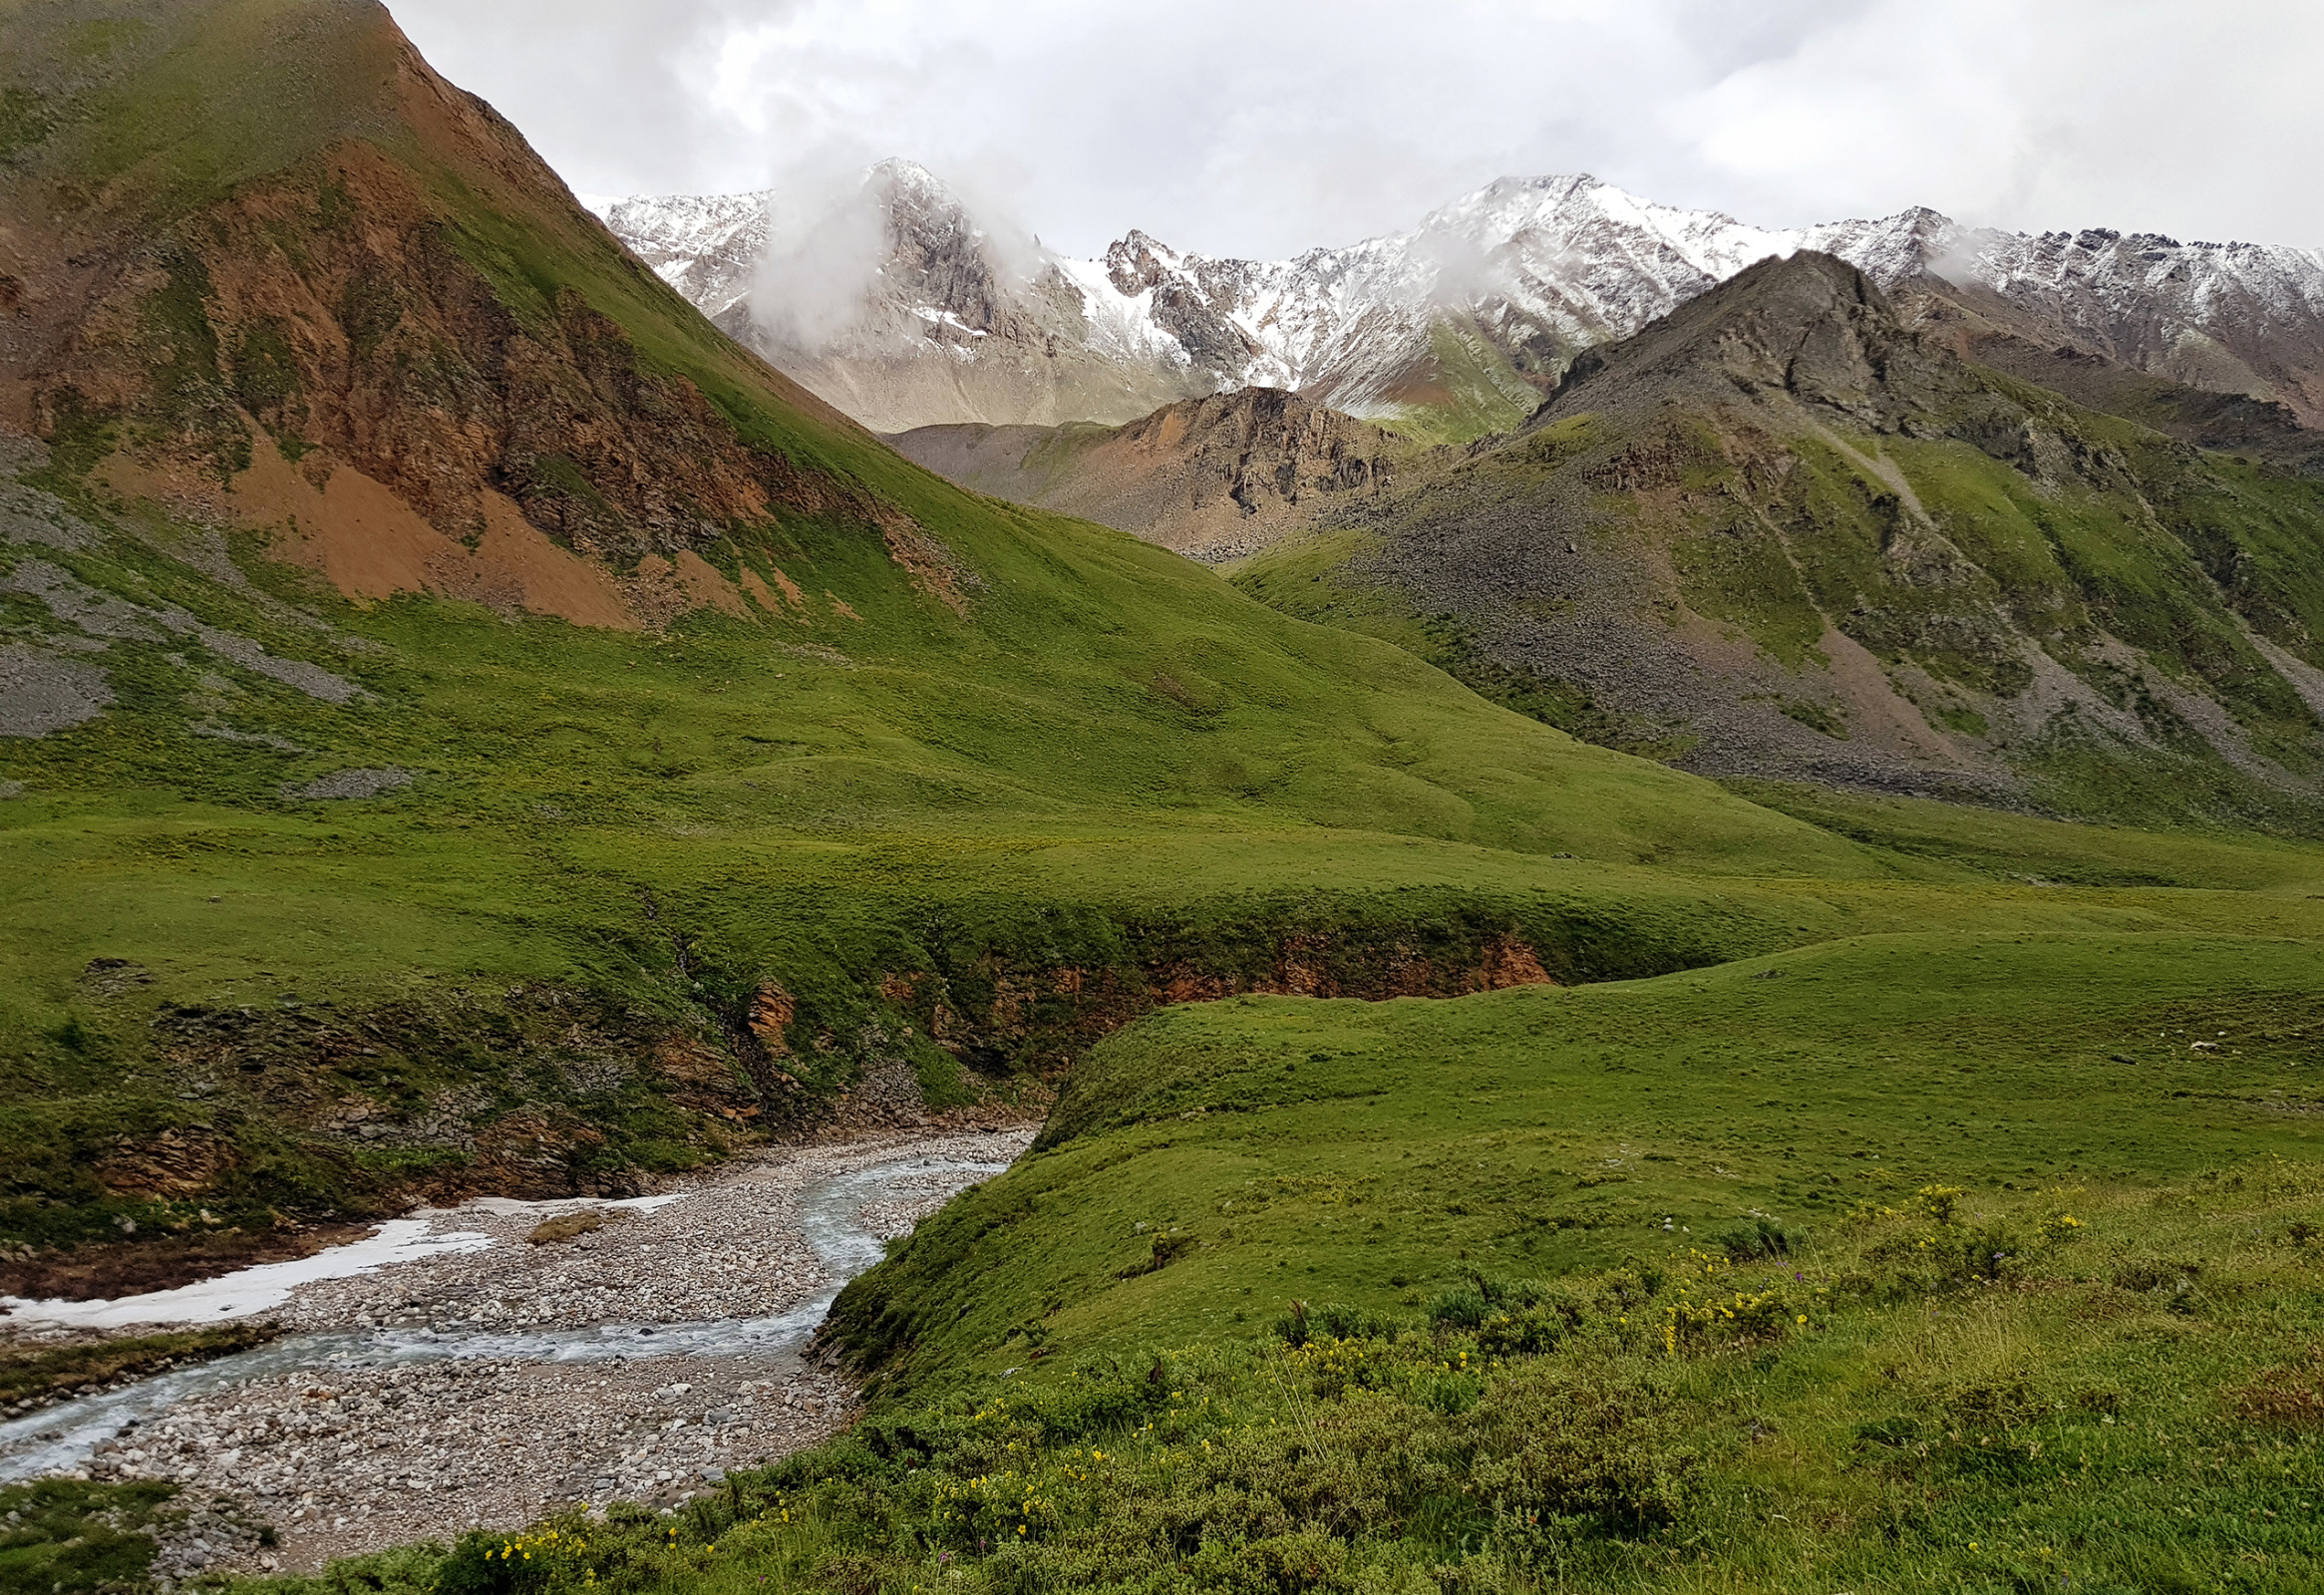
{"x":1458,"y":326}
{"x":705,"y":247}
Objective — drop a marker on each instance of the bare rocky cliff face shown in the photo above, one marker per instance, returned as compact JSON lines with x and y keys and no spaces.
{"x":1457,"y":328}
{"x":1215,"y":479}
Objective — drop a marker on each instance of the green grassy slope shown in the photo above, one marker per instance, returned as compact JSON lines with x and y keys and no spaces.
{"x":645,"y":895}
{"x":1113,"y":737}
{"x":1362,"y":1154}
{"x":654,"y":828}
{"x":1924,"y":1261}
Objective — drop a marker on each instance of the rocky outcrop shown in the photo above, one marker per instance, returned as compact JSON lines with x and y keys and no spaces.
{"x":2231,"y":423}
{"x":1215,"y":479}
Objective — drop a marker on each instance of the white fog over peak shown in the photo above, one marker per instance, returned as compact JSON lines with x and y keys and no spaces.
{"x":903,"y":306}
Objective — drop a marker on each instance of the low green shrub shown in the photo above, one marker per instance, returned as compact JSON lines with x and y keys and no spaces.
{"x":1762,"y":1238}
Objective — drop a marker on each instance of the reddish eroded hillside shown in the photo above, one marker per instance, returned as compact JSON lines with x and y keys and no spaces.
{"x":404,"y":336}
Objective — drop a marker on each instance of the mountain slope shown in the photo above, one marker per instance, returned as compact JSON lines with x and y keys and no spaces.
{"x":382,"y":272}
{"x":1213,"y":478}
{"x":1450,"y":330}
{"x":467,"y":725}
{"x":1781,"y":533}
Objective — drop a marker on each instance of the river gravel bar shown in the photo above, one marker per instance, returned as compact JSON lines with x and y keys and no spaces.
{"x":357,"y":1454}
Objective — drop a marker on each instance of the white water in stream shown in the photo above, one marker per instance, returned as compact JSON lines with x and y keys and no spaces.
{"x":62,"y":1439}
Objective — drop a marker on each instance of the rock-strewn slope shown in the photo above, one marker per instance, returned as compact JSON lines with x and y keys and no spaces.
{"x":1215,"y":479}
{"x":1452,"y":329}
{"x":1782,"y":531}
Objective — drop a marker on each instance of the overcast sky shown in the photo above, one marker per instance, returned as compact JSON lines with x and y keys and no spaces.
{"x":1263,"y":127}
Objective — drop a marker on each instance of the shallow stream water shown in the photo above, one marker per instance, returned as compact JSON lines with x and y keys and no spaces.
{"x":62,"y":1439}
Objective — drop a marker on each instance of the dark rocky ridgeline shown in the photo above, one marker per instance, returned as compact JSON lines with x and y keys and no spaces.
{"x":1785,"y":532}
{"x":1192,"y":305}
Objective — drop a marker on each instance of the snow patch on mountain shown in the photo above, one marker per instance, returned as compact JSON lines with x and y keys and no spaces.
{"x":1485,"y":301}
{"x":706,"y":246}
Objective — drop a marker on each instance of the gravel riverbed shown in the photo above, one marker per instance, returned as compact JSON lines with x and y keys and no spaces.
{"x":362,"y":1453}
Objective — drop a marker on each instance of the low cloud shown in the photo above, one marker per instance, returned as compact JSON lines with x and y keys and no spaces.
{"x":826,"y":236}
{"x":1235,"y":129}
{"x":829,"y":237}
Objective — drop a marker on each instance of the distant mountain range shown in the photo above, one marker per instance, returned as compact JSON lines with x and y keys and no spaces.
{"x":1457,"y":328}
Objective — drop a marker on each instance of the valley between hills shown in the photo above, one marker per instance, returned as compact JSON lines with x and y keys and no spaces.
{"x":1684,"y":954}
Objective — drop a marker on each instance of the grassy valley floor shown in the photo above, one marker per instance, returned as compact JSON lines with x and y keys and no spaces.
{"x":467,"y":727}
{"x":599,"y":906}
{"x":1915,"y":1261}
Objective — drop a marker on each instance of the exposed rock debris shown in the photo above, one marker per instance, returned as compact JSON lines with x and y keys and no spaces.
{"x":41,"y":692}
{"x":106,"y":617}
{"x":30,"y":518}
{"x":342,"y":1458}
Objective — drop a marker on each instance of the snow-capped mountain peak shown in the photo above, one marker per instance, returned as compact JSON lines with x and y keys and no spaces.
{"x":1454,"y":325}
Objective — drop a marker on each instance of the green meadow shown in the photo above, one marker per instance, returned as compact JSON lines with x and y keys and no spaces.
{"x":1858,"y":1194}
{"x":1742,"y":1249}
{"x":1922,"y":1260}
{"x":1376,"y":1153}
{"x":653,"y":827}
{"x":1119,"y":766}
